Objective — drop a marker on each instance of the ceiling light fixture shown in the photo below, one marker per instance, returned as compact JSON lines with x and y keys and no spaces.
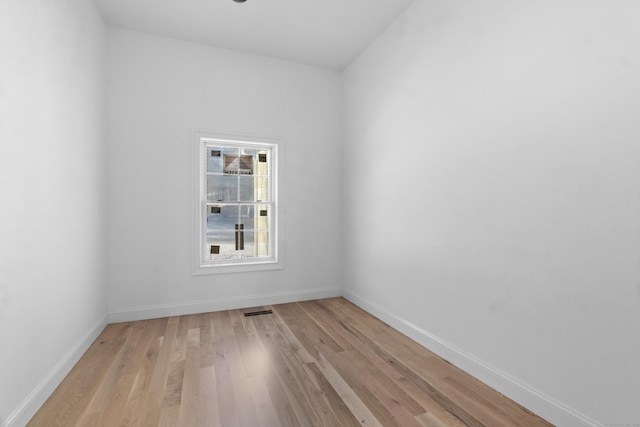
{"x":239,"y":1}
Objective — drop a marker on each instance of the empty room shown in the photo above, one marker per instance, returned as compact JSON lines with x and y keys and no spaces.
{"x":331,"y":213}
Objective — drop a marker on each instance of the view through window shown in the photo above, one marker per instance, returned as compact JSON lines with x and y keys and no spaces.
{"x":237,"y":201}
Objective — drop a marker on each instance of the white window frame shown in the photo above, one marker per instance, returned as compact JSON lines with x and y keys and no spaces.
{"x":201,"y":265}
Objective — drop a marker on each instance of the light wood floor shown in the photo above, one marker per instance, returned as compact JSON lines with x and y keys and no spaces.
{"x":315,"y":363}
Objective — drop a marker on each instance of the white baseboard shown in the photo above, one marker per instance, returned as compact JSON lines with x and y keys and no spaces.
{"x":30,"y":405}
{"x":539,"y":403}
{"x":194,"y":307}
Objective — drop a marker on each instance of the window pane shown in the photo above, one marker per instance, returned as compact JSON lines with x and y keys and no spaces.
{"x":254,"y":189}
{"x":246,"y":216}
{"x":255,"y":217}
{"x":215,"y":156}
{"x":263,"y":217}
{"x":256,"y":244}
{"x":261,"y":185}
{"x":246,"y":188}
{"x":222,"y":217}
{"x":222,"y":188}
{"x":221,"y":245}
{"x":262,"y":162}
{"x":235,"y":164}
{"x":260,"y":156}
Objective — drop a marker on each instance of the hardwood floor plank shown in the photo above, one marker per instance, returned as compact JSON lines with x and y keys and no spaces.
{"x":429,"y":420}
{"x":256,"y":364}
{"x":387,"y":409}
{"x":109,"y":393}
{"x":319,"y":310}
{"x":173,"y":391}
{"x":288,"y":409}
{"x":376,"y":367}
{"x":335,"y":404}
{"x":369,"y":330}
{"x":167,"y":338}
{"x":433,"y":374}
{"x":247,"y":414}
{"x":190,"y":400}
{"x":292,"y":347}
{"x":288,"y":370}
{"x":305,"y":374}
{"x":207,"y":355}
{"x":288,"y":413}
{"x":250,"y":352}
{"x":224,"y":386}
{"x":312,"y":363}
{"x":140,"y":339}
{"x":169,"y":416}
{"x":313,"y":338}
{"x":138,"y":402}
{"x":209,"y":411}
{"x":350,"y":398}
{"x":290,"y":340}
{"x":71,"y":398}
{"x":433,"y":408}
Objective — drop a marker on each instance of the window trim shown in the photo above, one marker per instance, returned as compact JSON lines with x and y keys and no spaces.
{"x":276,"y":261}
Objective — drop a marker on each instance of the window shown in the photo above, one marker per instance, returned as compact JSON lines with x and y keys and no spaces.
{"x":236,"y":223}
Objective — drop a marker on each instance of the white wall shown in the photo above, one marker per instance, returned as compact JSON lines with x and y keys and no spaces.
{"x":160,"y":90}
{"x":493,"y":199}
{"x":52,"y":185}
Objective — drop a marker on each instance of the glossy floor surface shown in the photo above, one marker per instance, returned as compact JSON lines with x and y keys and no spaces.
{"x":314,"y":363}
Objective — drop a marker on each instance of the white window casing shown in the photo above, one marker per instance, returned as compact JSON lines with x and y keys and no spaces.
{"x":238,"y":222}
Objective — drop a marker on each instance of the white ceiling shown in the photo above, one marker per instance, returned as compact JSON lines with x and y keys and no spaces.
{"x":328,"y":33}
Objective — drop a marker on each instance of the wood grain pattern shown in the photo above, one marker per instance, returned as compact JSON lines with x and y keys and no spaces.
{"x":312,"y":363}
